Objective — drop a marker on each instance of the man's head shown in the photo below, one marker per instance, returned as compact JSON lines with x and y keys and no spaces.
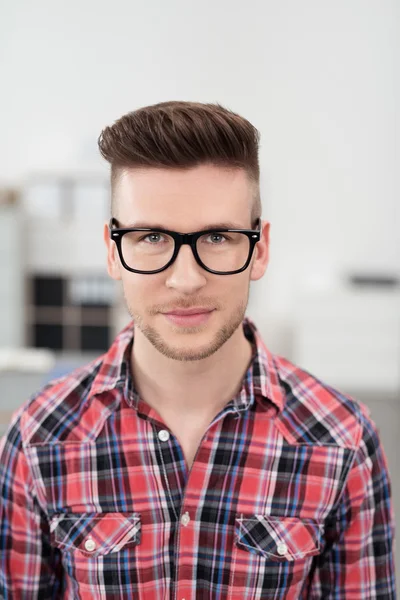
{"x":184,"y":167}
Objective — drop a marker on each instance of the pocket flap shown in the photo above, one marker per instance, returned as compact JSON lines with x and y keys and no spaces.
{"x":279,"y":538}
{"x":95,"y":534}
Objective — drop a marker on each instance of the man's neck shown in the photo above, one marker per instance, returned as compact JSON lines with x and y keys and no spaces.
{"x":190,"y":388}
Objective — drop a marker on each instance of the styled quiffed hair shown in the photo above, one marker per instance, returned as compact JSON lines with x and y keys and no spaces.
{"x":183,"y":135}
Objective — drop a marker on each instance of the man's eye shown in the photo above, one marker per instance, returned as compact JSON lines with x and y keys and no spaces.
{"x":217,"y":238}
{"x":151,"y":237}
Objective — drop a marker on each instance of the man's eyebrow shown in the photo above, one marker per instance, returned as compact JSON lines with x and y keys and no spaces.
{"x":219,"y":225}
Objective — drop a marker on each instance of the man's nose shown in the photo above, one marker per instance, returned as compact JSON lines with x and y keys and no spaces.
{"x":185,"y":274}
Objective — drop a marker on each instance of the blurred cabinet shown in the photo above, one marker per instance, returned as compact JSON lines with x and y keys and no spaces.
{"x":69,"y":296}
{"x":64,"y":220}
{"x":70,"y":313}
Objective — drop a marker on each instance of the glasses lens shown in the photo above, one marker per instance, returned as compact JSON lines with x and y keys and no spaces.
{"x":147,"y":251}
{"x":223,"y":252}
{"x":150,"y":251}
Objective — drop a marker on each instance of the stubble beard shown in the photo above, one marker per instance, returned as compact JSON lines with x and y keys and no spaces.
{"x":224,"y":333}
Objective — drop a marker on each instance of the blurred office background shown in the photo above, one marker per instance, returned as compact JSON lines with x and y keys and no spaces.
{"x":320,"y":80}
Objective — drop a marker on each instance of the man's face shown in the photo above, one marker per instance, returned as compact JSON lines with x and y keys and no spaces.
{"x":186,"y":201}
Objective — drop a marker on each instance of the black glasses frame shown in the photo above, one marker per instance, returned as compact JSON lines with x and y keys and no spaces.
{"x":117,"y":233}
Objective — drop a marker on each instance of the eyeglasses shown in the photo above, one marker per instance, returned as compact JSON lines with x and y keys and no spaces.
{"x":220,"y":251}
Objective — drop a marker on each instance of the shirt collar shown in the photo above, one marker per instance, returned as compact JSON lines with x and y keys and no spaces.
{"x":261,"y":382}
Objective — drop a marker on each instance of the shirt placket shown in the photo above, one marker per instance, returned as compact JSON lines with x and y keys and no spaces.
{"x":185,"y":547}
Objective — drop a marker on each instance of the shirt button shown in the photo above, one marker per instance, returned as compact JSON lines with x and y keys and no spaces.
{"x":282,"y":549}
{"x":163,"y":435}
{"x":185,"y":519}
{"x":90,"y":545}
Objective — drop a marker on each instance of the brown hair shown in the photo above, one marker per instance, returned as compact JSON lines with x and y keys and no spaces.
{"x":183,"y":135}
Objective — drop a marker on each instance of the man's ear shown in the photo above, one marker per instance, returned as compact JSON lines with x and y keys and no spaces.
{"x":113,"y":264}
{"x":260,"y":258}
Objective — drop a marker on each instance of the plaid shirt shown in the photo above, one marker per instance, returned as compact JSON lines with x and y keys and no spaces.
{"x":288,"y":496}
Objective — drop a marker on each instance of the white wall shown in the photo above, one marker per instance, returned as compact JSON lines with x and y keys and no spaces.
{"x":316,"y":77}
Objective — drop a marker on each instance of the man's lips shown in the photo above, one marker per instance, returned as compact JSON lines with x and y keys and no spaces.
{"x":190,"y":311}
{"x":189,"y":318}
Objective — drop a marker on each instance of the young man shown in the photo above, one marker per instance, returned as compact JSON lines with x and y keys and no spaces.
{"x":189,"y":462}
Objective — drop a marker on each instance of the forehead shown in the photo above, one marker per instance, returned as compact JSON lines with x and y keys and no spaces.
{"x":183,"y":198}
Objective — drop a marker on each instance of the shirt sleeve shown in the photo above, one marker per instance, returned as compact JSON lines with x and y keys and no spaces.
{"x":30,"y":568}
{"x":358,"y":561}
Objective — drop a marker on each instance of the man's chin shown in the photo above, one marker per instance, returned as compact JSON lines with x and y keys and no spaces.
{"x":183,"y":350}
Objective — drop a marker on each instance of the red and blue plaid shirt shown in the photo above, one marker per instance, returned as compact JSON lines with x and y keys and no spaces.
{"x":288,"y":496}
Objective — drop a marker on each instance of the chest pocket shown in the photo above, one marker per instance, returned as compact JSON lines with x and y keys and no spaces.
{"x":279,"y":539}
{"x":95,"y":534}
